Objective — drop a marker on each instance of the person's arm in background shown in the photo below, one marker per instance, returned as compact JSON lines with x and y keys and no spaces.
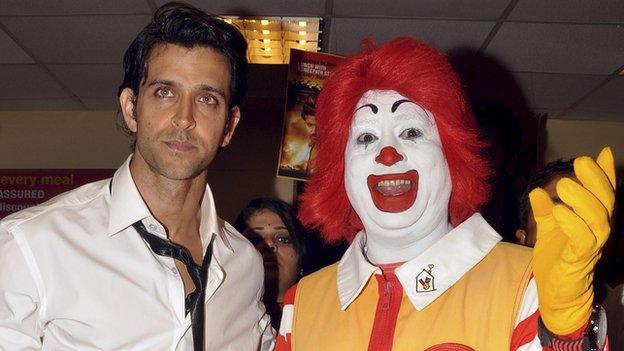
{"x":20,"y":303}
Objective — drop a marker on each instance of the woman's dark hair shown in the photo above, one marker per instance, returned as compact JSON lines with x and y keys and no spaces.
{"x":286,"y":213}
{"x":184,"y":25}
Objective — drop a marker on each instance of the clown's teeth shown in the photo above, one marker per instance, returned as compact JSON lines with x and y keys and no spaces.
{"x":394,"y":182}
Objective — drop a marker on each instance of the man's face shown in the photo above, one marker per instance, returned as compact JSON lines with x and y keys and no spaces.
{"x":181,"y":110}
{"x":396,"y":175}
{"x":528,"y":235}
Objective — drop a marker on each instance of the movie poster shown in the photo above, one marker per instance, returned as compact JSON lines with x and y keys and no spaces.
{"x":306,"y":73}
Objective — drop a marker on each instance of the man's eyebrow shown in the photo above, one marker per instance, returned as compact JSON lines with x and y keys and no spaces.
{"x":212,"y":89}
{"x":397,"y":104}
{"x":373,"y":108}
{"x":203,"y":87}
{"x":161,"y":82}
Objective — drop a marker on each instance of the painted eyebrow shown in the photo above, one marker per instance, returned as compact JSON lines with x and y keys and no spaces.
{"x":373,"y":108}
{"x":397,"y":104}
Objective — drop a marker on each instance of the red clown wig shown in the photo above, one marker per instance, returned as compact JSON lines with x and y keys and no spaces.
{"x":419,"y":72}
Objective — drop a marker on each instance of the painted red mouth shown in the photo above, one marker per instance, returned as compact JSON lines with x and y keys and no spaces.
{"x":393,"y":192}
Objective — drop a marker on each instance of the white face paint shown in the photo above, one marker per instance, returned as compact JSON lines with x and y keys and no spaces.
{"x":396,"y":175}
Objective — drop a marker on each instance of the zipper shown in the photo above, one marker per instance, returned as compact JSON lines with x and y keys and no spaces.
{"x":387,"y":295}
{"x":390,"y":295}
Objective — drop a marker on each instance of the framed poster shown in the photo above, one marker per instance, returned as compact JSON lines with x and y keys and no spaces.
{"x":306,"y":73}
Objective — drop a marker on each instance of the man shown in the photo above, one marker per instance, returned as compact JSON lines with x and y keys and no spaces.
{"x":611,"y":279}
{"x":547,"y":179}
{"x":399,"y":174}
{"x":141,"y":261}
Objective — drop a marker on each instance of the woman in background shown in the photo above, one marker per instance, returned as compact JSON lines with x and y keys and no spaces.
{"x":272,"y":227}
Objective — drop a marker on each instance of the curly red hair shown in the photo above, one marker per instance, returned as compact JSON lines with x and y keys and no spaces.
{"x":419,"y":72}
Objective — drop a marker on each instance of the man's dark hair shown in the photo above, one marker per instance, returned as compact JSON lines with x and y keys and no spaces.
{"x":184,"y":25}
{"x":550,"y":171}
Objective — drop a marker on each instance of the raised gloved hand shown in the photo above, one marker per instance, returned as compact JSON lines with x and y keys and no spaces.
{"x":570,"y":237}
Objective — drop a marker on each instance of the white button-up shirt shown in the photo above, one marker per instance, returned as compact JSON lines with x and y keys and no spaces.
{"x":75,"y":275}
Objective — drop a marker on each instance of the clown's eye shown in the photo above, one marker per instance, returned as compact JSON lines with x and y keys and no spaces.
{"x":366,"y":138}
{"x":410,"y":134}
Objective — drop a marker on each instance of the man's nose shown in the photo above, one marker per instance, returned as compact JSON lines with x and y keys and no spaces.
{"x":388,"y":156}
{"x":184,"y":115}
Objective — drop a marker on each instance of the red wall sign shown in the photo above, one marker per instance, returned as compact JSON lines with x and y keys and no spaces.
{"x":22,"y":188}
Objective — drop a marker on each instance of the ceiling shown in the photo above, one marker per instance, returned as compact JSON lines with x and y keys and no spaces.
{"x":560,"y":57}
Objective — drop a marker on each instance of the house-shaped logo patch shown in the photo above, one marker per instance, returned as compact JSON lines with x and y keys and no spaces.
{"x":425,"y":280}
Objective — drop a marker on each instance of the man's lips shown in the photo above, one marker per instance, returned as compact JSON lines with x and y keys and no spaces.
{"x":180,"y":145}
{"x":393,"y":192}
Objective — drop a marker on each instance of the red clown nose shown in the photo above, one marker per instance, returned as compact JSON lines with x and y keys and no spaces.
{"x":388,"y":156}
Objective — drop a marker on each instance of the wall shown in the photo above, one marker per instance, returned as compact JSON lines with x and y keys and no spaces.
{"x":570,"y":138}
{"x":61,"y":139}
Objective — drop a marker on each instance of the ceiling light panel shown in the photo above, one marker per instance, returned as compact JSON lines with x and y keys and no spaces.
{"x":270,"y":39}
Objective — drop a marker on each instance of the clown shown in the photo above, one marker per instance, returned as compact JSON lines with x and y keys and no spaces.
{"x":399,"y":174}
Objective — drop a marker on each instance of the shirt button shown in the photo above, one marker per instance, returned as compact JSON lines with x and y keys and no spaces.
{"x":174,"y":271}
{"x":152,"y":226}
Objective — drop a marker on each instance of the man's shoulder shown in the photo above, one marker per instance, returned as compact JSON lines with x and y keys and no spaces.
{"x":68,"y":203}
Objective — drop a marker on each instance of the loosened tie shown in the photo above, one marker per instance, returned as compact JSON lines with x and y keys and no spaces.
{"x":194,"y":302}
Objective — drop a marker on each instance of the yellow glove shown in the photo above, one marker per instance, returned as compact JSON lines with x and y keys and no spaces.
{"x":570,"y":237}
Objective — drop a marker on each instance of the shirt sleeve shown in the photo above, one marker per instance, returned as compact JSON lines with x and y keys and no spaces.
{"x":268,"y":334}
{"x":267,"y":338}
{"x":20,"y":327}
{"x":286,"y":324}
{"x":524,"y":337}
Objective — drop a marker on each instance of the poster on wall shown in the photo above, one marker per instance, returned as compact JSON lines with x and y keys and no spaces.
{"x":23,"y":188}
{"x":306,"y":73}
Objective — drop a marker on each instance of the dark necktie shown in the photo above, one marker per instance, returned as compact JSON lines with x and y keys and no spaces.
{"x":194,"y":302}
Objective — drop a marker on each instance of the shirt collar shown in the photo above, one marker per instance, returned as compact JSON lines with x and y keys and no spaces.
{"x":128,"y":207}
{"x":444,"y":263}
{"x":210,"y":223}
{"x":354,"y":270}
